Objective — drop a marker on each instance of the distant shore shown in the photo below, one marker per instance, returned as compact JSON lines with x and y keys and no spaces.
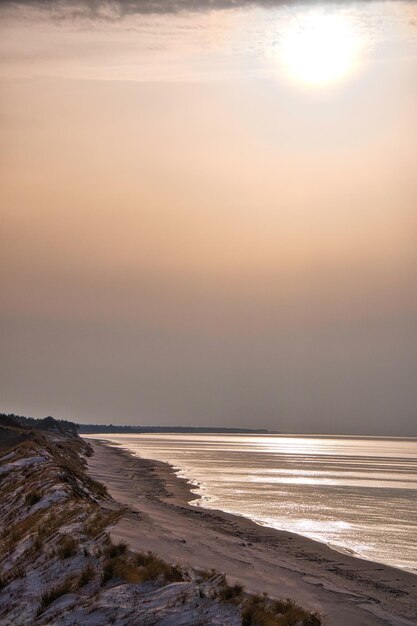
{"x":86,"y":429}
{"x":348,"y":591}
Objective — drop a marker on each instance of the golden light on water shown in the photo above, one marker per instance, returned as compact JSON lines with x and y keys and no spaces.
{"x":320,"y":48}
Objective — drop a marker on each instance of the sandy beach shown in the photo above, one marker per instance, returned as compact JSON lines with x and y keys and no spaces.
{"x":347,"y":591}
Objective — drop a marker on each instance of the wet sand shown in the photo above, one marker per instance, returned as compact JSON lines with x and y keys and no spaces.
{"x":347,"y":591}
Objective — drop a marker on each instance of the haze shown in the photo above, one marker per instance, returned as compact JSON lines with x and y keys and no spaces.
{"x":200,"y":224}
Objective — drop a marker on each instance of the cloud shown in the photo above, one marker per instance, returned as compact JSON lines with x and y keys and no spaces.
{"x":117,"y":9}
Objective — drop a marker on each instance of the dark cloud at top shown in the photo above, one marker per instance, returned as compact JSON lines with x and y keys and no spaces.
{"x":114,"y":9}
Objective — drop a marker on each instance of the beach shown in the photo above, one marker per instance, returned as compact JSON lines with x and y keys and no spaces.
{"x":346,"y":590}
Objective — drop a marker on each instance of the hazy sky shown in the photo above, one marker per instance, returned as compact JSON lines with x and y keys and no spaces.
{"x":210,"y":217}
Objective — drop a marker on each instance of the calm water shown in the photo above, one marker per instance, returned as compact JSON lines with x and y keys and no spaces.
{"x":358,"y":494}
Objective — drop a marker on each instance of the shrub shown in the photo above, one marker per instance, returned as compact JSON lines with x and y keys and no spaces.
{"x":86,"y":575}
{"x":120,"y":567}
{"x":55,"y":592}
{"x":152,"y":567}
{"x":108,"y":571}
{"x":259,"y":611}
{"x":97,"y":523}
{"x":256,"y":614}
{"x":173,"y":574}
{"x":313,"y":619}
{"x":98,"y":487}
{"x":112,"y":550}
{"x":32,"y":497}
{"x":230,"y":592}
{"x":67,"y":547}
{"x":206,"y":574}
{"x":144,"y":558}
{"x":292,"y":612}
{"x":38,"y":542}
{"x":18,"y":571}
{"x":20,"y":530}
{"x":56,"y":518}
{"x":142,"y":567}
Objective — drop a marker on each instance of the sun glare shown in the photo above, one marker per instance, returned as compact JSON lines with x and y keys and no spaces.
{"x":320,"y":48}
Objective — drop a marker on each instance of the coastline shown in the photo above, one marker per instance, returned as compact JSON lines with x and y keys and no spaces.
{"x":199,"y":502}
{"x":347,"y":590}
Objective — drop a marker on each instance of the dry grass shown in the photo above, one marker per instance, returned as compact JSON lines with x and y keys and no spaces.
{"x":143,"y":559}
{"x":122,"y":568}
{"x":19,"y":531}
{"x":59,"y":517}
{"x":67,"y":547}
{"x":259,"y":611}
{"x":230,"y":593}
{"x":112,"y":550}
{"x":207,"y":574}
{"x":313,"y":619}
{"x":152,"y":567}
{"x":38,"y":543}
{"x":260,"y":616}
{"x":86,"y":575}
{"x":140,"y":568}
{"x":99,"y":521}
{"x":160,"y":569}
{"x":55,"y":592}
{"x":16,"y":572}
{"x":97,"y":487}
{"x":33,"y":497}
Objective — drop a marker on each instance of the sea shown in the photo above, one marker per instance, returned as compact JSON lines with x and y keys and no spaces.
{"x":356,"y":494}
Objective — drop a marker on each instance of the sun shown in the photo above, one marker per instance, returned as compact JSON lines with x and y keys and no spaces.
{"x":320,"y":48}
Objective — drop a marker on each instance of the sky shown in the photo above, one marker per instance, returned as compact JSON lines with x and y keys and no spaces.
{"x":209,"y":216}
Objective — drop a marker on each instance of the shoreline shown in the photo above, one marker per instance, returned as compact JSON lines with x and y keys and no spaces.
{"x":194,"y":498}
{"x":335,"y":548}
{"x":346,"y":589}
{"x":198,"y":502}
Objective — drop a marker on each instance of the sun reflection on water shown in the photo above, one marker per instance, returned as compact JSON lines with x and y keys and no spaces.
{"x":357,"y":494}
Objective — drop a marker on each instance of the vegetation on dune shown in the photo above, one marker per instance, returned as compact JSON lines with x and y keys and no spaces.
{"x":258,"y":610}
{"x":112,"y":550}
{"x":154,"y":567}
{"x":99,"y":519}
{"x":55,"y":592}
{"x":67,"y":547}
{"x":230,"y":593}
{"x":206,"y":574}
{"x":138,"y":568}
{"x":33,"y":497}
{"x":120,"y":568}
{"x":87,"y":575}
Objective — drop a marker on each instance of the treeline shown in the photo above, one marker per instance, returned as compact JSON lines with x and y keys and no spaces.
{"x":49,"y":423}
{"x":114,"y":428}
{"x":71,"y":428}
